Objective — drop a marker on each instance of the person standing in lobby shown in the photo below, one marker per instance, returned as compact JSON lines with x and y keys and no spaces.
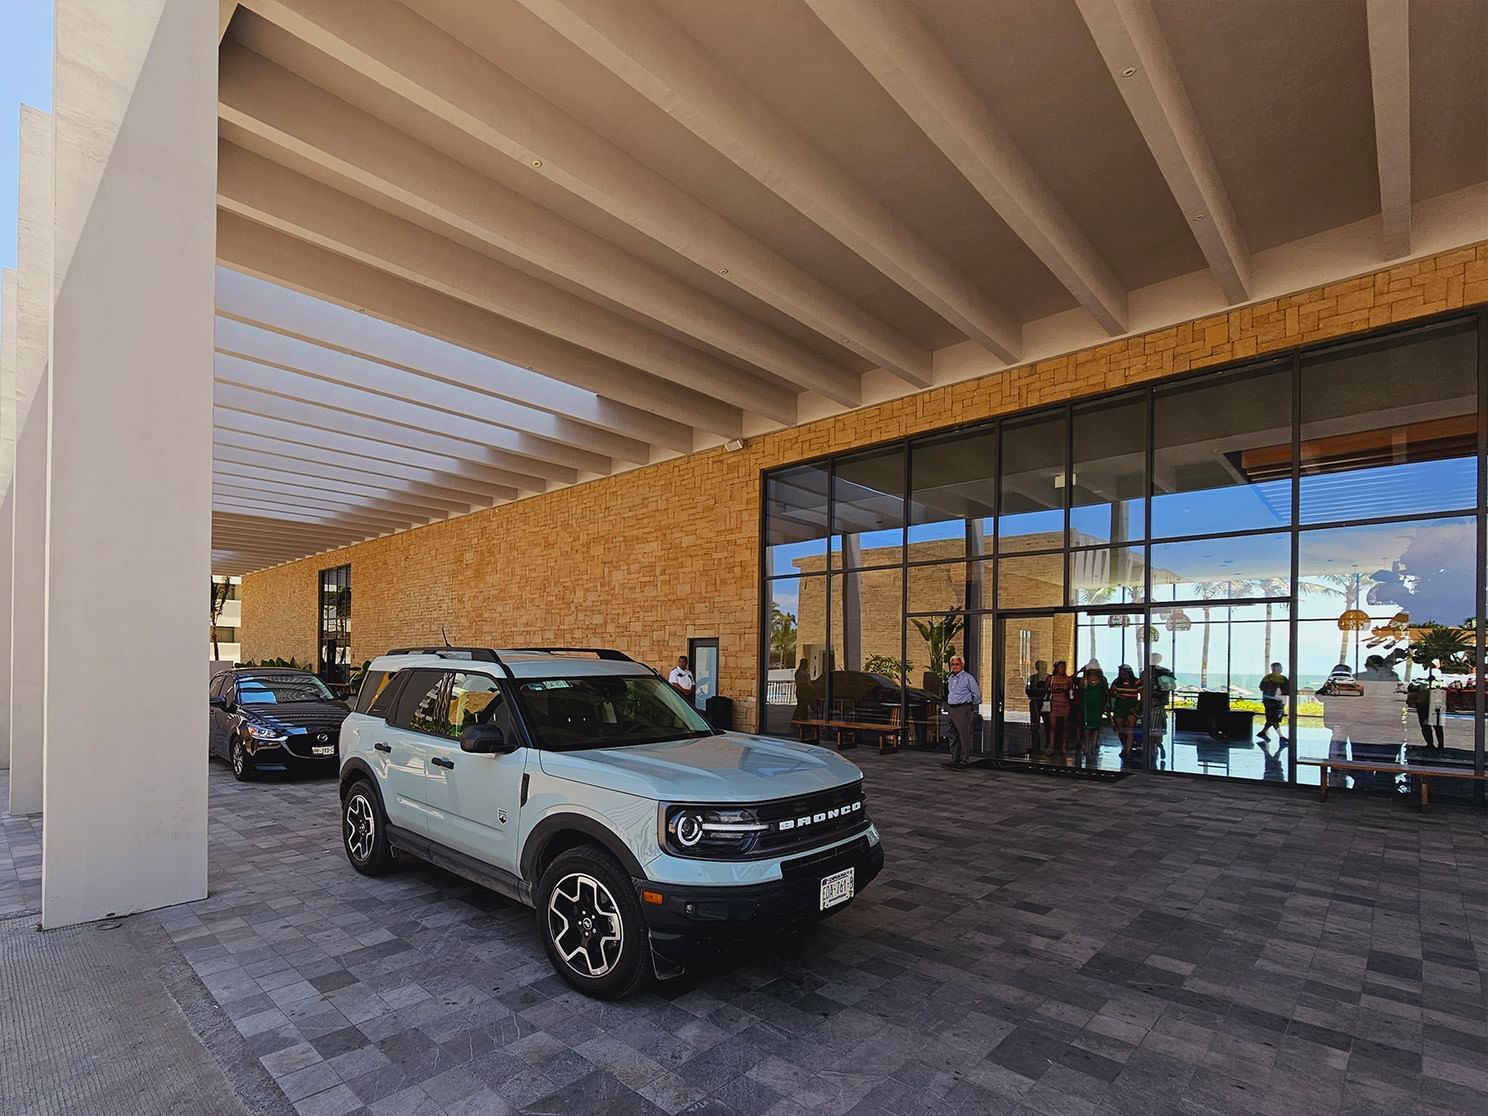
{"x":963,"y":695}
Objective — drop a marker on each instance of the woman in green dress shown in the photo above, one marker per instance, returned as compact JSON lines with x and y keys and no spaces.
{"x":1126,"y":703}
{"x":1093,"y":697}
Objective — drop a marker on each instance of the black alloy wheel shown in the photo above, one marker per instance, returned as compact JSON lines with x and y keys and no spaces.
{"x":242,"y":762}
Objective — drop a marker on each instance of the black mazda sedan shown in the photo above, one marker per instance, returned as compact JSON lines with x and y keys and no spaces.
{"x":279,"y":719}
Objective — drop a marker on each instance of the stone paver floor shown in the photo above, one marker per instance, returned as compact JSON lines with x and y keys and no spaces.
{"x":1035,"y":945}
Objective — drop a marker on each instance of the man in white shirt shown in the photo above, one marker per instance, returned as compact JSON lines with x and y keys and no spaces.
{"x":682,"y":680}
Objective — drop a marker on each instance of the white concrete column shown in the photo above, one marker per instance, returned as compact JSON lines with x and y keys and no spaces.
{"x":8,"y":319}
{"x":128,"y":539}
{"x":33,"y":318}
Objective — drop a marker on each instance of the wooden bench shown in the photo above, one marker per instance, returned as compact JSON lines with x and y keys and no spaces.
{"x":847,"y":732}
{"x":1423,"y":775}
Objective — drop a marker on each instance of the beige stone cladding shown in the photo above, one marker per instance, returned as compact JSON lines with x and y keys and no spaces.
{"x":646,"y":559}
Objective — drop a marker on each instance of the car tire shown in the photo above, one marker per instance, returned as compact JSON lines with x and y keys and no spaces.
{"x":364,"y":834}
{"x":583,"y":900}
{"x":241,"y":761}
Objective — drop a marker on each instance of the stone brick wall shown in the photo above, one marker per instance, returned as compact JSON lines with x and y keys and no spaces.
{"x":643,"y":560}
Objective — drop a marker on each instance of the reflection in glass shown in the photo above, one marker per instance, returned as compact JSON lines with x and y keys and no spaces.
{"x":1030,"y":581}
{"x":796,"y":651}
{"x":1033,"y":486}
{"x":953,"y":495}
{"x":1107,"y":577}
{"x":1213,"y":569}
{"x":1425,"y":570}
{"x":795,"y":516}
{"x":1215,"y":709}
{"x":938,"y":588}
{"x":1223,"y":455}
{"x":1108,"y":477}
{"x":868,"y":509}
{"x":1391,"y":427}
{"x":866,"y":633}
{"x":1027,"y":642}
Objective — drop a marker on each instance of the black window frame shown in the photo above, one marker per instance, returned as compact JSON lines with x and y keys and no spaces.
{"x":1288,"y":360}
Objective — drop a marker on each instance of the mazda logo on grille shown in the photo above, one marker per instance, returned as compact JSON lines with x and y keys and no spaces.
{"x":322,"y":738}
{"x":819,"y":817}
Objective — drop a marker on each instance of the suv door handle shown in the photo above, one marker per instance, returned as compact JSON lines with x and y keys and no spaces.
{"x":383,"y":747}
{"x":439,"y":761}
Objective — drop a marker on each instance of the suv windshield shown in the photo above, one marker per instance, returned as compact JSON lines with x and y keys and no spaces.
{"x":277,"y":690}
{"x":607,"y":712}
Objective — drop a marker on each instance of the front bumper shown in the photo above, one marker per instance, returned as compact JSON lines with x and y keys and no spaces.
{"x":691,"y":919}
{"x":293,"y":754}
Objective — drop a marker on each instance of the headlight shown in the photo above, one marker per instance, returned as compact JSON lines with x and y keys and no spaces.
{"x":706,"y":831}
{"x":266,"y":734}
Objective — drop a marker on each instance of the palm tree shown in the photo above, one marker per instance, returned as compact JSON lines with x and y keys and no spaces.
{"x":1278,"y":587}
{"x":1348,"y":586}
{"x":1099,"y":596}
{"x":1210,"y":591}
{"x":782,"y":636}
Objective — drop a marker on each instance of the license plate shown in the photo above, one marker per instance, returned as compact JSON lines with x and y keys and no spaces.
{"x":323,"y":750}
{"x":837,"y":888}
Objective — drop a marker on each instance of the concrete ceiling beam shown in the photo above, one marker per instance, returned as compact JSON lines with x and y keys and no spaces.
{"x":267,"y":509}
{"x":1389,"y":78}
{"x":917,"y":71}
{"x":536,"y":473}
{"x":372,"y":453}
{"x":230,"y":446}
{"x":302,"y":477}
{"x":670,"y":69}
{"x":263,"y":191}
{"x":1136,"y":52}
{"x":348,"y":508}
{"x":460,"y":405}
{"x":269,"y":306}
{"x":289,"y":115}
{"x":392,"y":46}
{"x":275,"y":256}
{"x":292,"y":385}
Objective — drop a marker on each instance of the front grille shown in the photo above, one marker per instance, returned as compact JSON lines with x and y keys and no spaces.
{"x":302,"y":745}
{"x":811,"y":820}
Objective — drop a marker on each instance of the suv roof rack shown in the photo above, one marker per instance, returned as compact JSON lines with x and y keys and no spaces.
{"x":598,"y":652}
{"x":479,"y":654}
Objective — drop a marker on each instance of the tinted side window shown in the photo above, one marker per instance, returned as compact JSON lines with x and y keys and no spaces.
{"x":418,"y":705}
{"x":382,"y":704}
{"x":372,"y":686}
{"x":476,"y":699}
{"x":215,"y":689}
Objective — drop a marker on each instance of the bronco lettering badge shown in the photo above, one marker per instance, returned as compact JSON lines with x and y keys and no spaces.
{"x":819,"y":816}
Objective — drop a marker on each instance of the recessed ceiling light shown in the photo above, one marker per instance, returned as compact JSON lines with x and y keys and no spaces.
{"x":1128,"y":71}
{"x":1198,"y":216}
{"x":537,"y":162}
{"x":361,"y":309}
{"x":723,"y":271}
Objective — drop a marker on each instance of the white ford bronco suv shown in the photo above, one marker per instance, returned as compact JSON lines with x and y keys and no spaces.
{"x":577,"y":781}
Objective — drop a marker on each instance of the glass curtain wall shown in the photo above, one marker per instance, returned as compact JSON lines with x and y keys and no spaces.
{"x":1288,"y":553}
{"x":334,"y":654}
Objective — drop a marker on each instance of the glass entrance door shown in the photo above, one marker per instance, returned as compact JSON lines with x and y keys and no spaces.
{"x":1030,"y":646}
{"x":1059,"y":697}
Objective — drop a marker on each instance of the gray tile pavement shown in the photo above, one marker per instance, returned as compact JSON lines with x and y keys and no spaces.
{"x":1035,"y":945}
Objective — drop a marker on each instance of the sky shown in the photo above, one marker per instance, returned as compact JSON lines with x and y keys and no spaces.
{"x":25,"y":77}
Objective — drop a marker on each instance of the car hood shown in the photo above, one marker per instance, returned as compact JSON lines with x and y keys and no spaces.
{"x":298,"y":716}
{"x":730,"y":767}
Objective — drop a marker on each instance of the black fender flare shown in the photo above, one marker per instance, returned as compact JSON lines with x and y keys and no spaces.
{"x":554,"y":824}
{"x":352,"y":769}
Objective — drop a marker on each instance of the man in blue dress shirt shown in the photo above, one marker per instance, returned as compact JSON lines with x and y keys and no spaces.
{"x":963,"y":695}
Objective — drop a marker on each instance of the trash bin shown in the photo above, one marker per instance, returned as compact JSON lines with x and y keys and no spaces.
{"x":720,"y":712}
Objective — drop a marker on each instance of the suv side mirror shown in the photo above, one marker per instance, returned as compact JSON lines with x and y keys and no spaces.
{"x":487,"y":740}
{"x":217,"y":702}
